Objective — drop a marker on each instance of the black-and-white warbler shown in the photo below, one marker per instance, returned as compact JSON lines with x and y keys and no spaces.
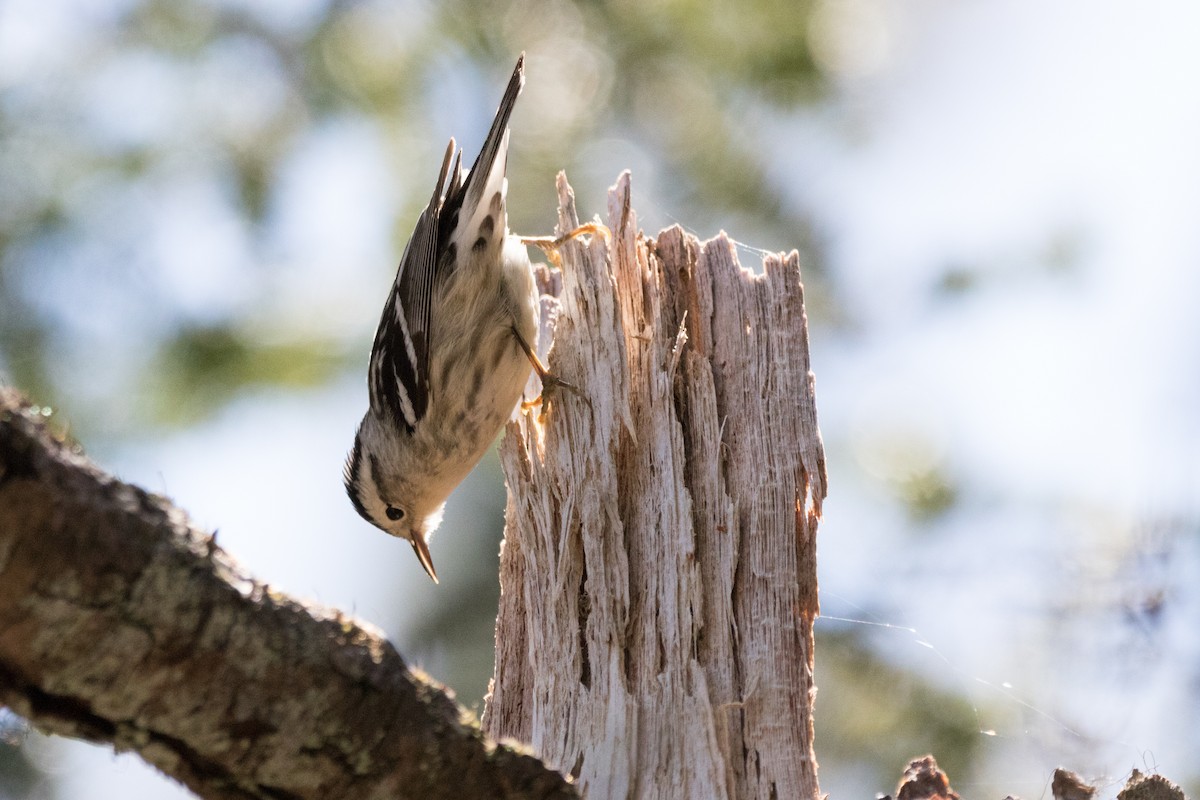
{"x":454,"y":347}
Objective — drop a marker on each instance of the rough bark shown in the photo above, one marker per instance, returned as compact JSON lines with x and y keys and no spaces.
{"x":121,"y":623}
{"x":658,"y":575}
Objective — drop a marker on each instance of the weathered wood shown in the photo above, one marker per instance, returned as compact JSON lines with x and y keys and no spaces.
{"x":122,"y":623}
{"x":924,"y":780}
{"x":658,"y":576}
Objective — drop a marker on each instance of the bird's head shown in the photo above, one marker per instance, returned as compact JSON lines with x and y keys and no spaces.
{"x":391,"y":497}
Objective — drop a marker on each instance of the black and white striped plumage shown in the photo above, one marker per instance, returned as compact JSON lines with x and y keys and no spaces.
{"x":448,"y":365}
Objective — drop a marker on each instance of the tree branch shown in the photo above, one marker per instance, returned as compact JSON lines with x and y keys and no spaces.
{"x":120,"y":623}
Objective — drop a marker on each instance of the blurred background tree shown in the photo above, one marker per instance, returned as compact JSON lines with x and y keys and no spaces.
{"x":151,"y":158}
{"x":202,"y":203}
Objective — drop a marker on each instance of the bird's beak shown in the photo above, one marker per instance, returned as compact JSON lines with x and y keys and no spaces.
{"x":422,"y":551}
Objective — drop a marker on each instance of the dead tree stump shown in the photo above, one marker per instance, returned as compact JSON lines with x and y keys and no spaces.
{"x":658,"y":576}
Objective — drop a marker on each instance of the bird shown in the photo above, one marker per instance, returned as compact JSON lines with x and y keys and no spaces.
{"x":454,"y":348}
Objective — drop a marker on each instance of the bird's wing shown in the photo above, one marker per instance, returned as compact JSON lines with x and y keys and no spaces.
{"x":398,"y":376}
{"x":398,"y":379}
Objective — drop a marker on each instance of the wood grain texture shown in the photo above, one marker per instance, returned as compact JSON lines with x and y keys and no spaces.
{"x":658,"y":575}
{"x":121,"y":623}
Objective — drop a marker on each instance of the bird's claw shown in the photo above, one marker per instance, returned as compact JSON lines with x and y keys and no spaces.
{"x":550,"y":245}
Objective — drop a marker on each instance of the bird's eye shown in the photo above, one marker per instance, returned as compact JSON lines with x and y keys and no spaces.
{"x":394,"y":514}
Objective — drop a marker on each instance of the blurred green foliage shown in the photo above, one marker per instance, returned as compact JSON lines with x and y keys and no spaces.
{"x":872,"y":718}
{"x":214,"y":364}
{"x":138,"y":96}
{"x":927,"y":494}
{"x":127,"y":104}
